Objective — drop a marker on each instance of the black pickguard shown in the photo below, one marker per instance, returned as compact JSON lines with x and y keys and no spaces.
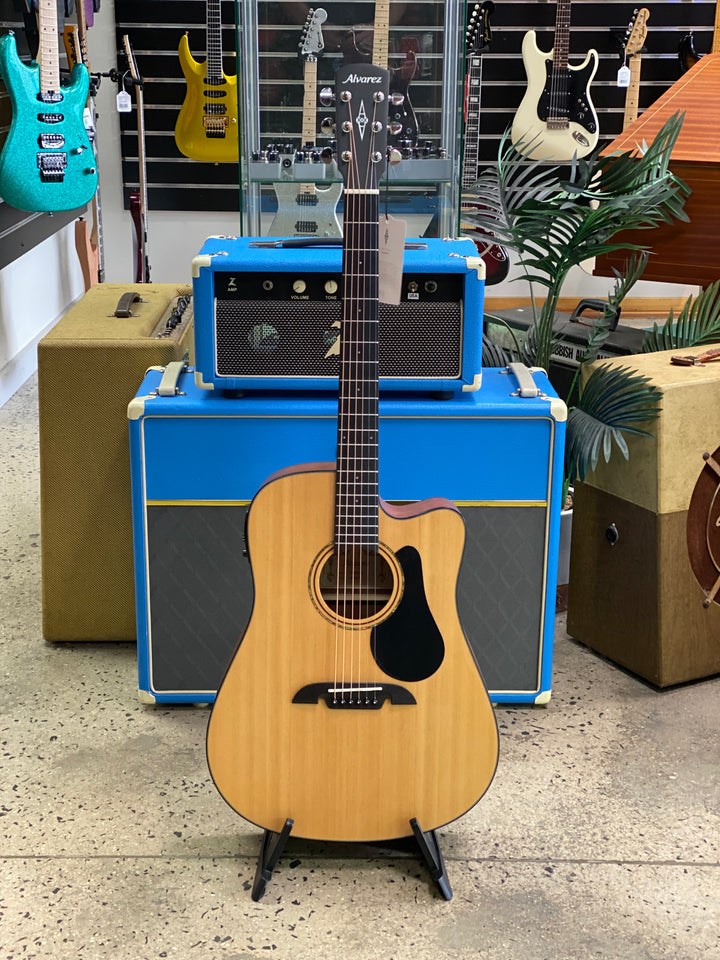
{"x":576,"y":105}
{"x":408,"y":646}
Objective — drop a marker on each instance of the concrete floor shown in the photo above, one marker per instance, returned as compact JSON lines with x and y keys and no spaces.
{"x":599,"y":837}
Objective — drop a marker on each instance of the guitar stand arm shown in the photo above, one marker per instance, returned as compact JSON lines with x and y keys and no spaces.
{"x":273,"y":845}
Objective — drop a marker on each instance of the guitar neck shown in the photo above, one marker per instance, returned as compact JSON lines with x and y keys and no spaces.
{"x":309,"y":100}
{"x":472,"y":120}
{"x":48,"y":53}
{"x":561,"y":47}
{"x":214,"y":42}
{"x":716,"y":33}
{"x":356,"y":497}
{"x":381,"y":34}
{"x":633,"y":91}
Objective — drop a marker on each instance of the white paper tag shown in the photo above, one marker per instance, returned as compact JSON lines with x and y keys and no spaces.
{"x":390,"y":267}
{"x":124,"y":102}
{"x":623,"y":77}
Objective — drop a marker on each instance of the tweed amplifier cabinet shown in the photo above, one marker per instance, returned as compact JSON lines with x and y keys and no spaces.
{"x":198,"y":458}
{"x":632,"y":593}
{"x":89,"y":366}
{"x":268,"y":316}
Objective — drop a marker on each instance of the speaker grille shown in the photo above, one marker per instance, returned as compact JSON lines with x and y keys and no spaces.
{"x":265,"y":338}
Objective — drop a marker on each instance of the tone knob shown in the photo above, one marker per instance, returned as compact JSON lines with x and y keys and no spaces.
{"x":299,"y":286}
{"x":331,"y":286}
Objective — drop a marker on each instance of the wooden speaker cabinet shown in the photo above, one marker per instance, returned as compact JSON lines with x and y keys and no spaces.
{"x":632,"y":594}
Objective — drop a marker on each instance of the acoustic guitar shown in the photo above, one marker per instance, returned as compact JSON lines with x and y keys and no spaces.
{"x":139,"y":197}
{"x":207,"y":125}
{"x":556,"y":119}
{"x":353,"y":704}
{"x":47,"y":161}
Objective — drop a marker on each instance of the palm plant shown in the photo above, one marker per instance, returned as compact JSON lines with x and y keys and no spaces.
{"x":555,"y":220}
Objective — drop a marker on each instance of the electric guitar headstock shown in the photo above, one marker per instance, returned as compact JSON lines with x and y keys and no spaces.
{"x":311,"y":38}
{"x":637,"y":32}
{"x":478,"y":35}
{"x":362,"y":93}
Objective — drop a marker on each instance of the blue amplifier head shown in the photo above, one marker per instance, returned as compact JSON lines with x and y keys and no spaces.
{"x":268,"y":316}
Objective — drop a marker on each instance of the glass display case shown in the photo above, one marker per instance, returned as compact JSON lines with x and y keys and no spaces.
{"x":290,"y":52}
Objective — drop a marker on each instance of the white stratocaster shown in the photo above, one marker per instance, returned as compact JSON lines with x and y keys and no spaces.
{"x":308,"y":209}
{"x":556,"y":119}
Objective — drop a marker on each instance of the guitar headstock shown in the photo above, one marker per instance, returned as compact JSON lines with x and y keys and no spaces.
{"x":637,"y":32}
{"x":478,"y":35}
{"x":132,"y":62}
{"x":361,"y":95}
{"x":311,"y":38}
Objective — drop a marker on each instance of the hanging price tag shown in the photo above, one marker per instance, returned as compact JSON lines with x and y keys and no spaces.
{"x":392,"y":249}
{"x":623,"y":77}
{"x":124,"y":102}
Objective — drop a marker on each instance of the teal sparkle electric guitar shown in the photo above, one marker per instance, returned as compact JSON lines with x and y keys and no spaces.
{"x":47,"y":161}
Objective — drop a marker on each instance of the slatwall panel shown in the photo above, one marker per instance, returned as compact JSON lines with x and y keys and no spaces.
{"x":176,"y":183}
{"x":20,"y":231}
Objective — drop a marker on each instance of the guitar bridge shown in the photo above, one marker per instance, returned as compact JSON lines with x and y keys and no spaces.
{"x":52,"y":167}
{"x":215,"y":126}
{"x":354,"y":696}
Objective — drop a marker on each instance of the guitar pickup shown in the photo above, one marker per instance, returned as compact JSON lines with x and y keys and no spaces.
{"x":50,"y":117}
{"x":52,"y":167}
{"x":215,"y":110}
{"x":50,"y":97}
{"x":51,"y":141}
{"x":215,"y":93}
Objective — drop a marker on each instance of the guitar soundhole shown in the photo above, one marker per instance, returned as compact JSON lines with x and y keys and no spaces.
{"x":357,"y":584}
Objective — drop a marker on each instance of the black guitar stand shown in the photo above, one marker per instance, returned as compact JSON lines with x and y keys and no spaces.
{"x":273,"y":844}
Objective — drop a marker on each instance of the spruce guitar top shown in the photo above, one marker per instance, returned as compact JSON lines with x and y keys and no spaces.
{"x":47,"y":161}
{"x":207,"y":125}
{"x":556,"y":119}
{"x":353,"y":708}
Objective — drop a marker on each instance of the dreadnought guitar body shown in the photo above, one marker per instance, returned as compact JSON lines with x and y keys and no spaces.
{"x":47,"y":163}
{"x":349,"y":719}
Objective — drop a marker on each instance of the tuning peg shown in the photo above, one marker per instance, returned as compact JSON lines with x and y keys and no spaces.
{"x":327,"y":96}
{"x":394,"y":156}
{"x":397,"y":99}
{"x":327,"y":125}
{"x":326,"y":155}
{"x":395,"y":128}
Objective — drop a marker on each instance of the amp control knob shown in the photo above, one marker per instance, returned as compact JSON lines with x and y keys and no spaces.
{"x":299,"y":286}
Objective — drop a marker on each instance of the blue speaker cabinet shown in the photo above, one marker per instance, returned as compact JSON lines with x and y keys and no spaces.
{"x":267,"y":316}
{"x":198,"y":458}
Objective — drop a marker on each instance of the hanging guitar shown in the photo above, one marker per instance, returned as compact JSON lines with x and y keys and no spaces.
{"x":477,"y":39}
{"x":353,"y":708}
{"x":306,"y":209}
{"x":634,"y":42}
{"x":47,"y":162}
{"x":207,"y":125}
{"x":688,"y":55}
{"x":556,"y":119}
{"x":372,"y":45}
{"x":138,"y":198}
{"x":88,"y":242}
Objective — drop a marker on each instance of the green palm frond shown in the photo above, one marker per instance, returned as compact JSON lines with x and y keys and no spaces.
{"x":697,"y":323}
{"x":614,"y":401}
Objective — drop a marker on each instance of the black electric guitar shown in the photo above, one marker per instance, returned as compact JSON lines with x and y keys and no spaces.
{"x":556,"y":119}
{"x":138,"y":198}
{"x":353,"y":708}
{"x":477,"y":39}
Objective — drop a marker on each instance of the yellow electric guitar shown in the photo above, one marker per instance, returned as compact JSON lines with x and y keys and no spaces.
{"x":353,"y":708}
{"x":207,"y":125}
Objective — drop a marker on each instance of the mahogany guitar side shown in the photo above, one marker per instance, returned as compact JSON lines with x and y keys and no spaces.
{"x":352,"y":773}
